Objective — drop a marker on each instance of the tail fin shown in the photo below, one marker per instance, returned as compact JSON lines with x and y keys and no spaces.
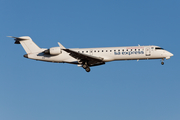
{"x":27,"y":43}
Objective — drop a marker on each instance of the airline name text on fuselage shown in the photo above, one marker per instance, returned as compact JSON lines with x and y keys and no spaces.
{"x":129,"y":53}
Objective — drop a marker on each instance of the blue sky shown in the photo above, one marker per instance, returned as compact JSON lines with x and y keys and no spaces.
{"x":127,"y":90}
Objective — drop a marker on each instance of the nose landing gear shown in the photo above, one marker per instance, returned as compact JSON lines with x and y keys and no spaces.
{"x":162,"y":63}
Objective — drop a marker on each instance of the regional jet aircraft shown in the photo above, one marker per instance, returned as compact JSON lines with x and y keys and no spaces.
{"x":88,"y":57}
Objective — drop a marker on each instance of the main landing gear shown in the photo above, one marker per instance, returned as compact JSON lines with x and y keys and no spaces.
{"x":86,"y":67}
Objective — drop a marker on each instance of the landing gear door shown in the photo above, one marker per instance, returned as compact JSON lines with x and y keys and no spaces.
{"x":148,"y":51}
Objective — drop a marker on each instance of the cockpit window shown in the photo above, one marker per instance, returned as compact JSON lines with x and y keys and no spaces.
{"x":158,"y":48}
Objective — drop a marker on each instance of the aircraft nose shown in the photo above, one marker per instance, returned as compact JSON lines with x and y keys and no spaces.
{"x":170,"y":54}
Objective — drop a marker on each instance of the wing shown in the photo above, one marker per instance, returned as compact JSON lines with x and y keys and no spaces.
{"x":91,"y":60}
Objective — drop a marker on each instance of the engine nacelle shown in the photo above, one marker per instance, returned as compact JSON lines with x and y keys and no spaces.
{"x":53,"y":51}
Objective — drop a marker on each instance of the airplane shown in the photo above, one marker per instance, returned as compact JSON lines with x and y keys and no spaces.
{"x":88,"y":57}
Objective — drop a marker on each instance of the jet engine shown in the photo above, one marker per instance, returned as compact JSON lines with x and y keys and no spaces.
{"x":53,"y":51}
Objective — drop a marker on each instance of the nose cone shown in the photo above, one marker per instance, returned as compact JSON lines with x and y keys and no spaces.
{"x":170,"y":54}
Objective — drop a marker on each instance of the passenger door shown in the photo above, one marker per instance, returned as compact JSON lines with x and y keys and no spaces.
{"x":148,"y":51}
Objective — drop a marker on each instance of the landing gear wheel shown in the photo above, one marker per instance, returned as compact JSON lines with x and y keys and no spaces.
{"x":87,"y":69}
{"x":162,"y":63}
{"x":84,"y":66}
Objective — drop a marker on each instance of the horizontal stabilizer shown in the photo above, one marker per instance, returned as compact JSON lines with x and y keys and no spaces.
{"x":27,"y":43}
{"x":17,"y":39}
{"x":20,"y":38}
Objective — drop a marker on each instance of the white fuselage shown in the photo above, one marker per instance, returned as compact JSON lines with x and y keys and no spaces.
{"x":108,"y":54}
{"x":88,"y":57}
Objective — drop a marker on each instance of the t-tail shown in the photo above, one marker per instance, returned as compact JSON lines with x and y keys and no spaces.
{"x":27,"y":43}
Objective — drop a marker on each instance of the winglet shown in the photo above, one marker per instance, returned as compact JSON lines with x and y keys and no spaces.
{"x":61,"y":46}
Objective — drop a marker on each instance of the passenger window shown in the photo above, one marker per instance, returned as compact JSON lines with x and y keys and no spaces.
{"x":110,"y":50}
